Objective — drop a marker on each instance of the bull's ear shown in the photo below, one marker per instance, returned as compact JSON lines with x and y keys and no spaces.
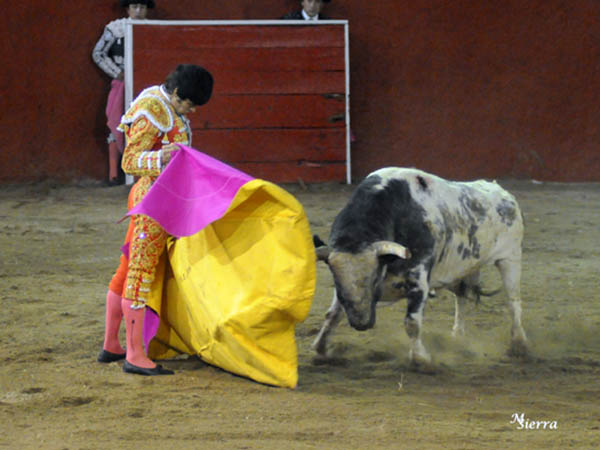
{"x":390,"y":248}
{"x":317,"y":241}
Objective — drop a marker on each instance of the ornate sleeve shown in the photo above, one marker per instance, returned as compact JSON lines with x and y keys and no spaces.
{"x":138,"y":157}
{"x":100,"y":54}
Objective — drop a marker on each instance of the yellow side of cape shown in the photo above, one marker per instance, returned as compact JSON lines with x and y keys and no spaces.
{"x":235,"y":290}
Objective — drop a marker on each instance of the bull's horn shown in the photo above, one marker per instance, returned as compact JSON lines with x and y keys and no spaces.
{"x":391,"y":248}
{"x":323,"y":253}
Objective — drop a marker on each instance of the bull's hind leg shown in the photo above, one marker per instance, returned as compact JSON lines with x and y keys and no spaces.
{"x":461,"y":291}
{"x":332,"y":318}
{"x":417,"y":295}
{"x":510,"y":269}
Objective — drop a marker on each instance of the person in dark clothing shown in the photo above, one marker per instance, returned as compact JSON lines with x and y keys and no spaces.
{"x":311,"y":10}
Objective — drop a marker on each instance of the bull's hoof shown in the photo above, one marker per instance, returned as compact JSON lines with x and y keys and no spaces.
{"x":420,"y":362}
{"x":421,"y":357}
{"x":320,"y":349}
{"x":458,"y":333}
{"x":319,"y":345}
{"x":321,"y":354}
{"x":426,"y":367}
{"x":519,"y":349}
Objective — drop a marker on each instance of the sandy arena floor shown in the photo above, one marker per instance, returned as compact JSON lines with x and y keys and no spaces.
{"x":60,"y":246}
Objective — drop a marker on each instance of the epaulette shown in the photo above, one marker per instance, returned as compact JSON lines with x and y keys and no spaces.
{"x":152,"y":105}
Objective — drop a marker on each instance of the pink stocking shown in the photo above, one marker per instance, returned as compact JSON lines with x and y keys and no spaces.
{"x":113,"y":323}
{"x":134,"y":325}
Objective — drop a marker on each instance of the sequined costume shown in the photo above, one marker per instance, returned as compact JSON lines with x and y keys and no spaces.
{"x":109,"y":50}
{"x":149,"y":124}
{"x":108,"y":54}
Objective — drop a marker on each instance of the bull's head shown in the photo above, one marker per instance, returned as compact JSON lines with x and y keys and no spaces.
{"x":359,"y":277}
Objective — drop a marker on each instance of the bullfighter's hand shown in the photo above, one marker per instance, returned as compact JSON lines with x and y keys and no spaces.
{"x":167,"y":153}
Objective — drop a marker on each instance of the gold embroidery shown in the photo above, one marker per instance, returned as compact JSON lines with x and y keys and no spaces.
{"x":160,"y":111}
{"x":145,"y":248}
{"x":142,"y":137}
{"x":140,"y":159}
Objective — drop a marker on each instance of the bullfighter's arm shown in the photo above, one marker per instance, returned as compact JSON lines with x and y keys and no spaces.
{"x":100,"y":54}
{"x":138,"y":158}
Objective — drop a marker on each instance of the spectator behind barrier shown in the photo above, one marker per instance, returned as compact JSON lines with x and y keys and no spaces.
{"x":311,"y":10}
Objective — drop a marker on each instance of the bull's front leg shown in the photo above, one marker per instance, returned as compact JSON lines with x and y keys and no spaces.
{"x":418,"y":290}
{"x":332,"y":318}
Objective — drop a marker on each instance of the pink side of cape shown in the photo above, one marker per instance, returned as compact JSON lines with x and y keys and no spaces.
{"x":193,"y":191}
{"x":151,"y":324}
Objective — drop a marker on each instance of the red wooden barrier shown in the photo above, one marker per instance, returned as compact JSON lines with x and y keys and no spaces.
{"x":279,"y":105}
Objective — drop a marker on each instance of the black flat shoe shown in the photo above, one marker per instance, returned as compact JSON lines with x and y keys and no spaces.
{"x":107,"y":357}
{"x":158,"y":370}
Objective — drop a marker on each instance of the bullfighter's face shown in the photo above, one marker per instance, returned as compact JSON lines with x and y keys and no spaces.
{"x":181,"y":106}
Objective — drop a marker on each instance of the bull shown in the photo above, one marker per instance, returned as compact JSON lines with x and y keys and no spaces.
{"x":408,"y":233}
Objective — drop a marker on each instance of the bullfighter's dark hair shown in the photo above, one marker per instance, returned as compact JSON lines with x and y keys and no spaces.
{"x":148,"y":3}
{"x":193,"y":83}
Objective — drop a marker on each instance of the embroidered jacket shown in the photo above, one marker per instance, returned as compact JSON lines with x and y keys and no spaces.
{"x":149,"y":124}
{"x":109,"y":50}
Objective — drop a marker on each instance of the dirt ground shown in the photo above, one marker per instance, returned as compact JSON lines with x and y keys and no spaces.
{"x":60,"y":245}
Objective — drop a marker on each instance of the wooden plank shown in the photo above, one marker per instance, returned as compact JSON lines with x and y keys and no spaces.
{"x":280,"y":82}
{"x":241,"y":36}
{"x":278,"y":105}
{"x":292,"y":172}
{"x":272,"y":59}
{"x":269,"y":111}
{"x":247,"y":82}
{"x":274,"y":145}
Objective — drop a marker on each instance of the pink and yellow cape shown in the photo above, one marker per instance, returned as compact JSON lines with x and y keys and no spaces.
{"x":238,"y":274}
